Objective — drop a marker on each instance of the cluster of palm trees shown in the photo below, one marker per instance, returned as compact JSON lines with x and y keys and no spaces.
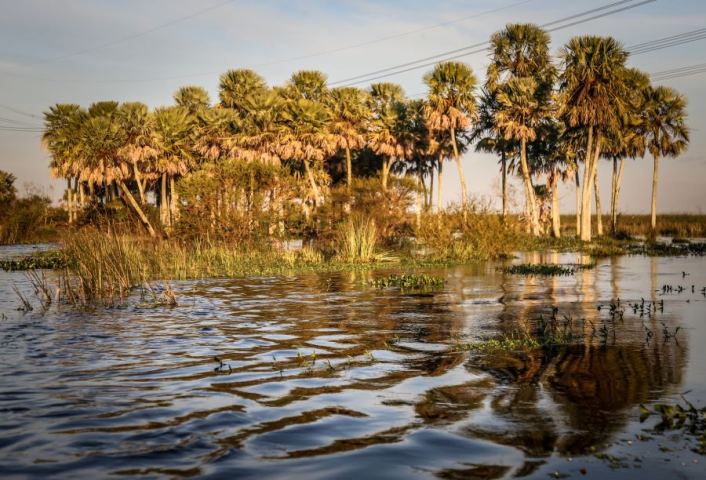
{"x":539,"y":118}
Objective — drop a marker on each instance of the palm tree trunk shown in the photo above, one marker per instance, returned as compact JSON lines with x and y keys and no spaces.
{"x":654,"y":196}
{"x":613,"y":180}
{"x":164,"y":204}
{"x":420,"y":181}
{"x":68,"y":201}
{"x":599,"y":214}
{"x":617,"y":193}
{"x":386,"y":162}
{"x":503,"y":161}
{"x":556,"y":219}
{"x":82,"y":193}
{"x":137,"y":209}
{"x":586,"y":192}
{"x":441,"y":184}
{"x":431,"y":191}
{"x":530,"y":198}
{"x":174,"y":205}
{"x":578,"y":205}
{"x":138,"y":179}
{"x":464,"y":192}
{"x":312,"y":182}
{"x":349,"y":169}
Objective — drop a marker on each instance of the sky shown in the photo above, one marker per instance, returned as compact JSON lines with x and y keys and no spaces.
{"x":83,"y":51}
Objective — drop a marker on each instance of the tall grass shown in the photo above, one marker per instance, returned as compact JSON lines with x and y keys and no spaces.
{"x":357,"y":240}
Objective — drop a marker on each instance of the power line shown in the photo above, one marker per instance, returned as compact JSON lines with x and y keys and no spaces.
{"x":399,"y":35}
{"x":120,"y":40}
{"x":177,"y":77}
{"x":436,"y":58}
{"x":670,"y":42}
{"x":21,"y":112}
{"x":678,"y":72}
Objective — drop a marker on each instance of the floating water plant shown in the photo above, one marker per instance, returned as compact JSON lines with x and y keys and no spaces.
{"x":546,"y":269}
{"x":408,"y":281}
{"x":49,"y":262}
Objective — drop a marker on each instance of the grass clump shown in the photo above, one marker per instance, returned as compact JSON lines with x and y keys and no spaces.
{"x":357,"y":240}
{"x":545,"y":269}
{"x":408,"y":281}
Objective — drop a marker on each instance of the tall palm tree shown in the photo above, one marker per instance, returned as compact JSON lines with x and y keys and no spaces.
{"x":236,"y":85}
{"x":173,"y":141}
{"x":193,"y":98}
{"x":521,"y":51}
{"x":593,"y":97}
{"x":305,"y":137}
{"x":386,"y":136}
{"x":520,"y":115}
{"x":349,"y":116}
{"x":451,"y":107}
{"x":665,"y":130}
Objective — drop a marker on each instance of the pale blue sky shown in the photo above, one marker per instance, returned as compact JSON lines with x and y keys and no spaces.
{"x":53,"y":51}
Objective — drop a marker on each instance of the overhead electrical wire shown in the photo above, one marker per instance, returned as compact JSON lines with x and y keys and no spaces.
{"x":176,"y":77}
{"x":666,"y":42}
{"x":119,"y":40}
{"x":412,"y":65}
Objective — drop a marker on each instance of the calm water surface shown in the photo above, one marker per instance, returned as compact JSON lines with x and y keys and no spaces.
{"x":324,"y":377}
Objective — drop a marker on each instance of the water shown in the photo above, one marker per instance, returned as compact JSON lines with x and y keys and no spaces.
{"x":324,"y":377}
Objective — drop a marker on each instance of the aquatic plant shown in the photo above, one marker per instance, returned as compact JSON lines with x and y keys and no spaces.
{"x":50,"y":261}
{"x":545,"y":269}
{"x":405,"y":281}
{"x":689,"y":419}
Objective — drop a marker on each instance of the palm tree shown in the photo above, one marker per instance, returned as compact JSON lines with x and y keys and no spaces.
{"x":552,"y":153}
{"x":104,"y":138}
{"x":593,"y":97}
{"x":628,"y":141}
{"x":521,"y":51}
{"x":136,"y":122}
{"x":173,"y":142}
{"x":61,"y":138}
{"x":348,"y":108}
{"x":305,"y":136}
{"x":236,"y":85}
{"x":307,"y":84}
{"x":487,"y":139}
{"x":665,"y":130}
{"x":385,"y":137}
{"x":451,"y":107}
{"x":192,"y":98}
{"x":520,"y":115}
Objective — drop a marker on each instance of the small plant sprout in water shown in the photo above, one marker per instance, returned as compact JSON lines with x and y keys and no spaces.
{"x":370,"y":355}
{"x":221,"y":366}
{"x":26,"y":306}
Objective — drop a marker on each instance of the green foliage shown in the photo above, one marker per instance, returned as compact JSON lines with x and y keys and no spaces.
{"x":29,"y":219}
{"x":50,"y":261}
{"x":236,"y":201}
{"x":7,"y":187}
{"x":483,"y":236}
{"x":545,"y":269}
{"x":407,"y":282}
